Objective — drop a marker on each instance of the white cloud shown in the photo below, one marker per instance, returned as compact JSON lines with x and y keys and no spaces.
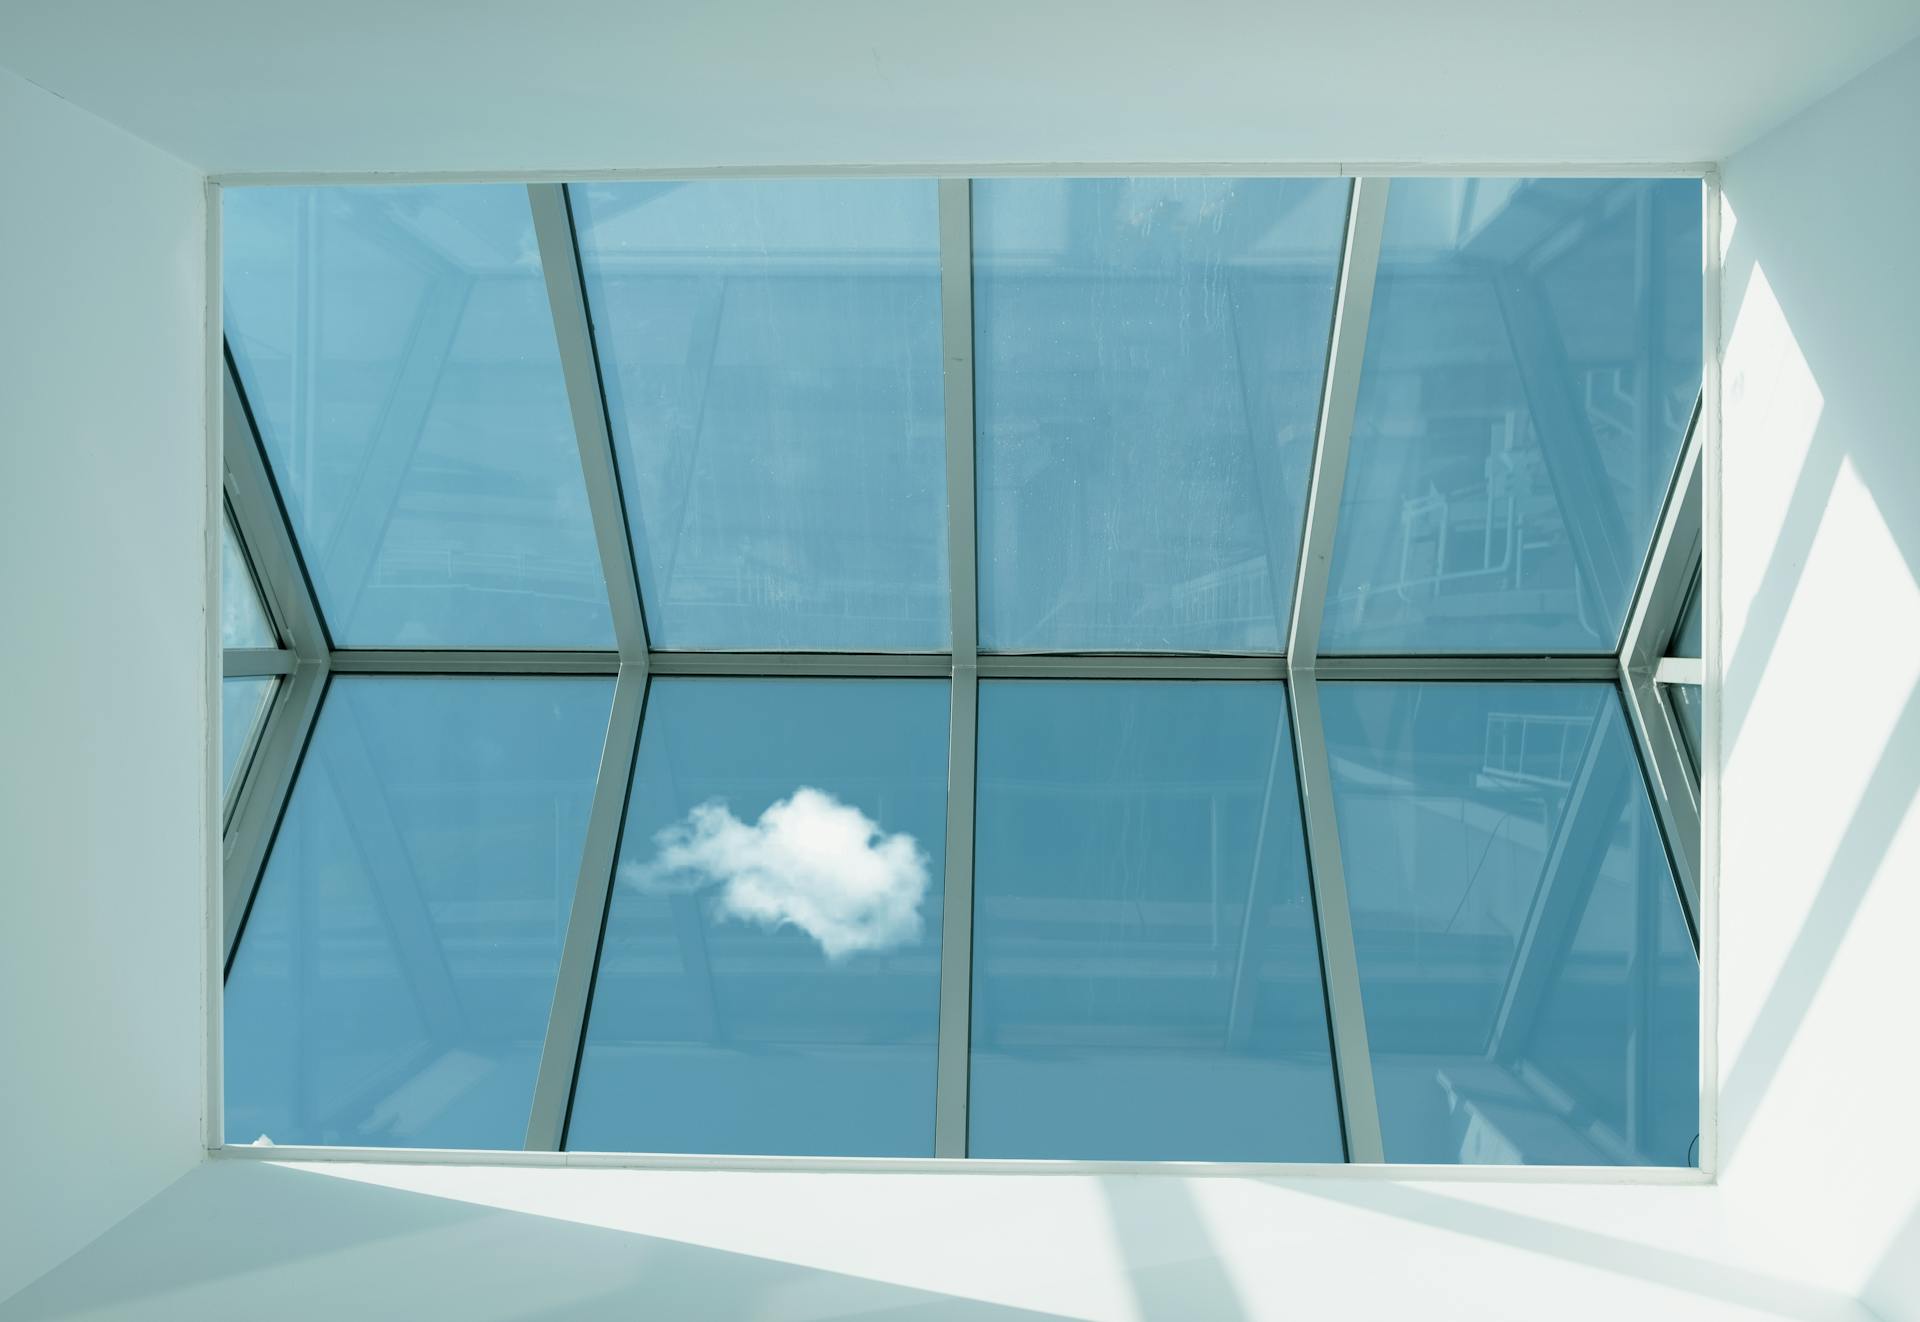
{"x":812,"y":861}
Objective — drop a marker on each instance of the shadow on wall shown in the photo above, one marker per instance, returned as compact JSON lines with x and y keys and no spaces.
{"x":1703,"y":1277}
{"x":1819,"y":360}
{"x":340,"y":1248}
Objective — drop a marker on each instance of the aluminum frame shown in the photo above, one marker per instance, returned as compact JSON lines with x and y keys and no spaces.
{"x":308,"y":658}
{"x":1333,"y":918}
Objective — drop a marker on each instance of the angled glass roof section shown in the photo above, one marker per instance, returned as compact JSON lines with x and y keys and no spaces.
{"x":1530,"y":987}
{"x":1532,"y":360}
{"x":392,"y":984}
{"x":1149,"y":356}
{"x":397,"y":351}
{"x":243,"y":617}
{"x":771,"y":354}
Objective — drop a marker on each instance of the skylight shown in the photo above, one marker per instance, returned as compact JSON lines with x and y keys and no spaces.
{"x":1100,"y":669}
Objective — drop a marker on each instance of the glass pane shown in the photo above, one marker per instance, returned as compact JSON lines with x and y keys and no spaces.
{"x":1149,"y":356}
{"x":243,"y":620}
{"x":1686,"y":640}
{"x":393,"y":980}
{"x":1452,"y":799}
{"x":1686,"y":705}
{"x":397,"y":350}
{"x":242,"y":702}
{"x":771,"y":353}
{"x":1532,"y":361}
{"x":770,"y":975}
{"x":1146,"y":978}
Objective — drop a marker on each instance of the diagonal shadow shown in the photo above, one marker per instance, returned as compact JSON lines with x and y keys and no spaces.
{"x":1892,"y":1289}
{"x":1171,"y":1263}
{"x":1609,"y":1253}
{"x":240,"y":1239}
{"x":1850,"y":874}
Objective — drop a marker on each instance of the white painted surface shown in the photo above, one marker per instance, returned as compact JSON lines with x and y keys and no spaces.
{"x":578,"y":84}
{"x":104,"y":754}
{"x":1820,"y":710}
{"x":1818,"y":1203}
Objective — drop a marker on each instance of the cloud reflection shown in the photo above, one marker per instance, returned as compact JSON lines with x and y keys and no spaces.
{"x":811,"y":861}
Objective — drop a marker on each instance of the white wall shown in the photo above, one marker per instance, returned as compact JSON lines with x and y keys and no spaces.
{"x":1820,"y":559}
{"x":1820,"y":710}
{"x":103,"y":712}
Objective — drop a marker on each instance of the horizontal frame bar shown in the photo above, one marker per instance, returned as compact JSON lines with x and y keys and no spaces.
{"x":1261,"y":169}
{"x":670,"y":1161}
{"x":1679,"y":670}
{"x":1502,"y":668}
{"x":918,"y":665}
{"x":240,"y":662}
{"x":477,"y":662}
{"x":850,"y":665}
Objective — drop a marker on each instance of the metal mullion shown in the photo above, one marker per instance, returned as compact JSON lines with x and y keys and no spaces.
{"x":1555,"y":669}
{"x":474,"y":661}
{"x":580,"y":951}
{"x":1172,"y":666}
{"x":238,"y":662}
{"x":1333,"y":919}
{"x":1679,"y":670}
{"x":1667,"y":580}
{"x":1353,"y":307}
{"x":586,"y":396}
{"x":820,"y":665}
{"x":953,"y":1059}
{"x":262,"y":796}
{"x":266,"y":539}
{"x":1671,"y":782}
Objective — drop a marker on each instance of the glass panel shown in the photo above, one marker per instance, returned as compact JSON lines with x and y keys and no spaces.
{"x":771,"y":353}
{"x":1532,"y":361}
{"x":1149,"y":358}
{"x":393,"y":980}
{"x":1686,"y":706}
{"x":243,"y":620}
{"x":397,"y":350}
{"x":769,"y":981}
{"x":1453,"y":801}
{"x":1686,"y":640}
{"x":1146,"y":979}
{"x":242,"y":702}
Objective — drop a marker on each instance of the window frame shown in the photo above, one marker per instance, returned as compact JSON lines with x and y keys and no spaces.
{"x":1682,"y":792}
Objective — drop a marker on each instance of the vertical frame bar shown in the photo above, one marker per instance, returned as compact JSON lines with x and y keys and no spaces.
{"x":260,"y":522}
{"x":1352,"y":310}
{"x":1708,"y":927}
{"x":580,"y":951}
{"x":1340,"y":966}
{"x":956,"y":927}
{"x":213,"y":838}
{"x":579,"y":361}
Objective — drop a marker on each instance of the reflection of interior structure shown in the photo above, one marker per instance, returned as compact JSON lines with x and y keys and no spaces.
{"x":761,"y":449}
